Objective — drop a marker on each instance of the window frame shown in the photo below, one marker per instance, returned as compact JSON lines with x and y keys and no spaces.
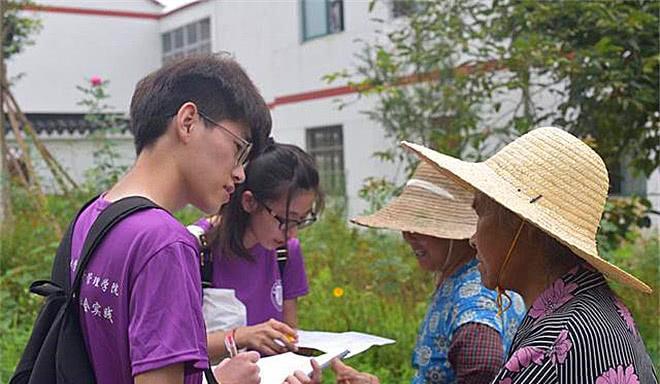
{"x":334,"y":184}
{"x":328,"y":31}
{"x":200,"y":45}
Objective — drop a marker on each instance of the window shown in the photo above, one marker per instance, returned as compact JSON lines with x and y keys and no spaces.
{"x":322,"y":17}
{"x":326,"y":146}
{"x":187,"y":40}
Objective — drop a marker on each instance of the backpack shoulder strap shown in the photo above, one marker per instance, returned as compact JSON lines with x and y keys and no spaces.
{"x":103,"y":224}
{"x":282,"y":254}
{"x":60,"y":272}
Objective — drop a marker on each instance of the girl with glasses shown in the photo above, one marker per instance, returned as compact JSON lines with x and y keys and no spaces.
{"x":280,"y":195}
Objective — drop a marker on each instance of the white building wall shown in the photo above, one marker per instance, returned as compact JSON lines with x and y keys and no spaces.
{"x":187,"y":15}
{"x":71,"y":48}
{"x":265,"y":37}
{"x":146,"y":6}
{"x":75,"y":152}
{"x":361,"y":138}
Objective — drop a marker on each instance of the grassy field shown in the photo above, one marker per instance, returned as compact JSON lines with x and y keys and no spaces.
{"x":360,"y":280}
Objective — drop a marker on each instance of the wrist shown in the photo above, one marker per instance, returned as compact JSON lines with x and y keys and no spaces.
{"x":238,"y":338}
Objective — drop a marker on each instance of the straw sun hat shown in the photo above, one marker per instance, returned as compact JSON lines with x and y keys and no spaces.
{"x":552,"y":180}
{"x":430,"y":204}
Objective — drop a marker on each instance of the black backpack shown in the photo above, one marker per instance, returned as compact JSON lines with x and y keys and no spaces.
{"x":56,"y":352}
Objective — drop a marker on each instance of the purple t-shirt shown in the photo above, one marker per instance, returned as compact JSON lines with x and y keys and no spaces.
{"x":257,"y":282}
{"x":141,"y":298}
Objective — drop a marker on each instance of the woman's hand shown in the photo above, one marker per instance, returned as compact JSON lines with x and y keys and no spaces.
{"x":299,"y":377}
{"x":262,"y":337}
{"x":240,"y":369}
{"x":348,"y":375}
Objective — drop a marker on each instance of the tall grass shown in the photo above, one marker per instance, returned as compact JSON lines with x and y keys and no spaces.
{"x":384,"y":292}
{"x":641,"y":257}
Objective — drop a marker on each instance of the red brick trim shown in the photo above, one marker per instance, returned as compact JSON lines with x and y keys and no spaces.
{"x":106,"y":12}
{"x":92,"y":12}
{"x":405,"y":80}
{"x":312,"y":95}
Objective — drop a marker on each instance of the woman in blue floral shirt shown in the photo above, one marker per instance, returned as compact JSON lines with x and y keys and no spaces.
{"x":462,"y":338}
{"x":539,"y":202}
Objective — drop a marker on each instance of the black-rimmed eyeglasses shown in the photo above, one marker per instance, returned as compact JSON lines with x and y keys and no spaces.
{"x":284,"y":224}
{"x":243,"y":146}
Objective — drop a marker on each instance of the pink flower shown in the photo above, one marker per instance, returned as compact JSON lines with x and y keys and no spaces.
{"x":626,"y":315}
{"x":96,"y":81}
{"x":554,"y":297}
{"x":559,"y":350}
{"x":506,"y":381}
{"x":523,"y":358}
{"x":619,"y":376}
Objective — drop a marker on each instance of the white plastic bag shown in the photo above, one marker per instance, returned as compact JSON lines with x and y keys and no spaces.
{"x":223,"y":310}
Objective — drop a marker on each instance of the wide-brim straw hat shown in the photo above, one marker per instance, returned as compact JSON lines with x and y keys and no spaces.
{"x":551,"y":179}
{"x":430,"y":204}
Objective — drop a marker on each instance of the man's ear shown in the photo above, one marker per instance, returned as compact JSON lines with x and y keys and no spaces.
{"x":249,"y":202}
{"x":184,"y":121}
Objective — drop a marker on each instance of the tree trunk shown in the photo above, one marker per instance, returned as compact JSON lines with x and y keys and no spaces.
{"x":5,"y":207}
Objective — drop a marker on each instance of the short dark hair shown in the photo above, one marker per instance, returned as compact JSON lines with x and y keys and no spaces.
{"x":216,"y":83}
{"x":281,"y":170}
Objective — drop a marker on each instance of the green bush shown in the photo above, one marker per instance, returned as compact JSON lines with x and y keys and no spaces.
{"x":27,"y":249}
{"x":381,"y":290}
{"x":641,"y":257}
{"x":384,"y":293}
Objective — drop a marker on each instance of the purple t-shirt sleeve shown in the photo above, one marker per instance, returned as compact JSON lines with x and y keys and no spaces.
{"x":166,"y":325}
{"x":295,"y":277}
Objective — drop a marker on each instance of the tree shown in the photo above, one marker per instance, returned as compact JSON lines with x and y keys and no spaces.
{"x":18,"y":29}
{"x":465,"y":77}
{"x":15,"y":31}
{"x":425,"y":93}
{"x":601,"y":59}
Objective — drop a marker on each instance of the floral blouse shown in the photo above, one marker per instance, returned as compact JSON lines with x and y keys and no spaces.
{"x":461,"y":299}
{"x":578,"y":332}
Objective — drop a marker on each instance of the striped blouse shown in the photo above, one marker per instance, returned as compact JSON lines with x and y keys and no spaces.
{"x":578,"y":332}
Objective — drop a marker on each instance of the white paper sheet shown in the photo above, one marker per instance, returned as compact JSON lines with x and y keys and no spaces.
{"x":274,"y":369}
{"x":355,"y":342}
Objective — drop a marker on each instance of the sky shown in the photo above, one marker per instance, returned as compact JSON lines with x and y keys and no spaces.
{"x":171,"y":4}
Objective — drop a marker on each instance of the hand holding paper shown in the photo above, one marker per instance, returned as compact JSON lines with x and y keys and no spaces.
{"x":242,"y":369}
{"x":278,"y":368}
{"x":274,"y":369}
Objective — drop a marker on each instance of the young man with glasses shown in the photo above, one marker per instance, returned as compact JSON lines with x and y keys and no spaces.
{"x":141,"y":297}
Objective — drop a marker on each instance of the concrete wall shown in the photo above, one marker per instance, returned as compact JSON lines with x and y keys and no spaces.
{"x":73,"y":47}
{"x":265,"y":37}
{"x":76,"y":154}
